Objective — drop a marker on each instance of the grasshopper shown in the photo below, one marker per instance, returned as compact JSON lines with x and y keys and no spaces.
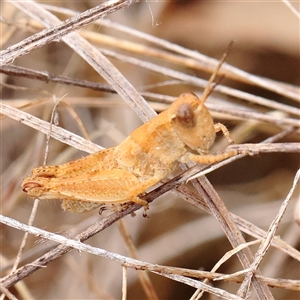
{"x":115,"y":177}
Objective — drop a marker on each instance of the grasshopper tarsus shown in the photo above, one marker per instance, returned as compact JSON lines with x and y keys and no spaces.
{"x":145,"y":215}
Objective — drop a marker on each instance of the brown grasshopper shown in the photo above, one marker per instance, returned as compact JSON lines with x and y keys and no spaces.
{"x":116,"y":176}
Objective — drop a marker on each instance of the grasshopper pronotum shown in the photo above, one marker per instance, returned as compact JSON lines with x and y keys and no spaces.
{"x":116,"y":176}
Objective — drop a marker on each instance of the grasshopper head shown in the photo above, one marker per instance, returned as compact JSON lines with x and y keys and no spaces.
{"x":192,"y":122}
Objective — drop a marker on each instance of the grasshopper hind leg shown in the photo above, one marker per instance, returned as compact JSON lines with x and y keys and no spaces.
{"x":79,"y":206}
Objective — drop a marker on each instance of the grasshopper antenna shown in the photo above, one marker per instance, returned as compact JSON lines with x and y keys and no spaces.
{"x":210,"y":87}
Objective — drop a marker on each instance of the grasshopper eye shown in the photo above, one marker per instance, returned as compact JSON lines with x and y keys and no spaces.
{"x":185,"y":116}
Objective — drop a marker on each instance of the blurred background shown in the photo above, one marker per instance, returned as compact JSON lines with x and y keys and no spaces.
{"x":266,"y":35}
